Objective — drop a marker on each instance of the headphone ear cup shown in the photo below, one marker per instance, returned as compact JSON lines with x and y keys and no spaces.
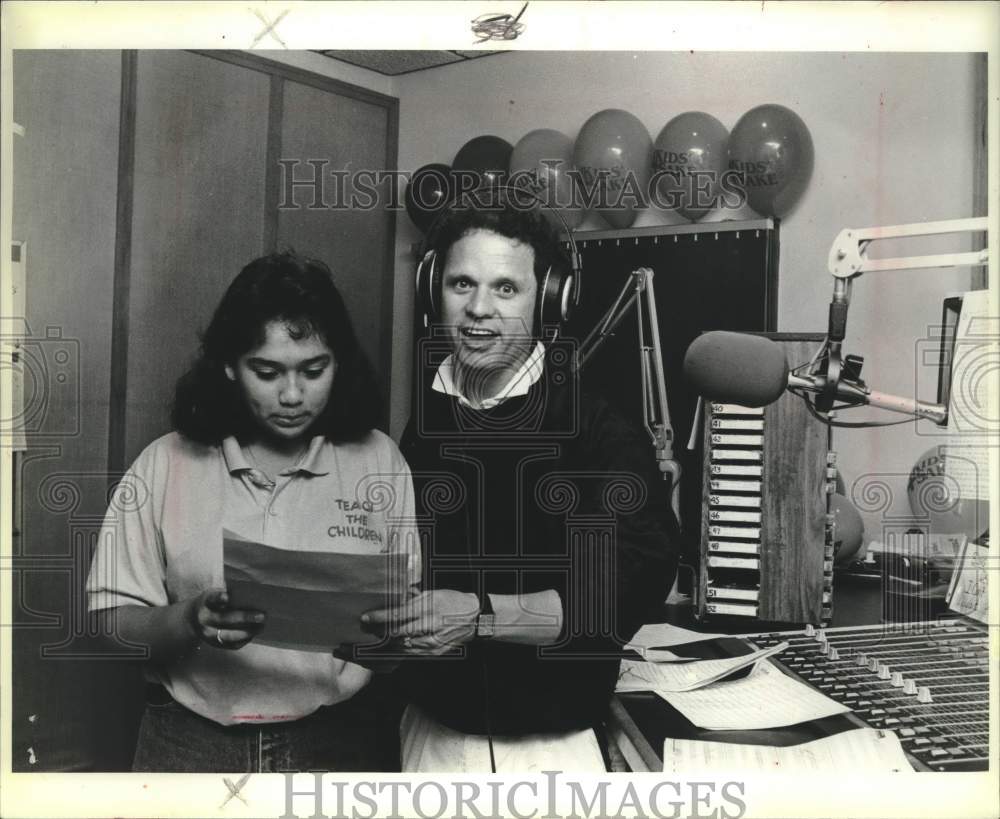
{"x":428,"y":285}
{"x":568,"y":297}
{"x":555,"y":300}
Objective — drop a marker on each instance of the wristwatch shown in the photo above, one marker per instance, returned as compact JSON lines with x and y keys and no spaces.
{"x":486,"y":619}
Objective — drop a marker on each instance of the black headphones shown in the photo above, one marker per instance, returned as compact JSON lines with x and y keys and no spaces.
{"x":558,"y":291}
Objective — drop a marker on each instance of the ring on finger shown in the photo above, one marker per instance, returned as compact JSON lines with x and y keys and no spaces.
{"x":407,"y":642}
{"x":218,"y":637}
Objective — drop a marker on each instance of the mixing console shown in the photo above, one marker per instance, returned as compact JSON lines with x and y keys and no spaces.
{"x":927,"y":682}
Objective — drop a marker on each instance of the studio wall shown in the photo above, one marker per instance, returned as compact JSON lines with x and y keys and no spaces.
{"x":143,"y":182}
{"x":894,"y":139}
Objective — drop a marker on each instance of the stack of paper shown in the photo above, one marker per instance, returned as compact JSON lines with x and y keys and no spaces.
{"x":865,"y":750}
{"x":766,"y":698}
{"x":663,"y":635}
{"x":968,"y":592}
{"x":682,"y":674}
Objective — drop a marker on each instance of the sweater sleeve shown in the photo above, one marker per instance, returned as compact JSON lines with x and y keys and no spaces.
{"x":643,"y":551}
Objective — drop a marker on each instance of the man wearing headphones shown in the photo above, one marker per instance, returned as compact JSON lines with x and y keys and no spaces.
{"x":548,"y":534}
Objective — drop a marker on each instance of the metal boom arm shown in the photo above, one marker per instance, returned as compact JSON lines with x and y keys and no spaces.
{"x":638,"y":291}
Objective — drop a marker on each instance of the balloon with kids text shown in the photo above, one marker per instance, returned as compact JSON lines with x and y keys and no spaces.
{"x":541,"y":163}
{"x":772,"y":150}
{"x":936,"y":496}
{"x":689,"y":159}
{"x":614,"y":155}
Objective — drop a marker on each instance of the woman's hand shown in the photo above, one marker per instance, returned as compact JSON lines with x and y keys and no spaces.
{"x":213,"y":622}
{"x":432,"y":622}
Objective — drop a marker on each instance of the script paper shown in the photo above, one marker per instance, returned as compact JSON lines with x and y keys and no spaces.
{"x":972,"y":426}
{"x":681,"y":675}
{"x":313,"y":600}
{"x":968,"y":593}
{"x":663,"y":635}
{"x":866,"y":750}
{"x":766,"y":698}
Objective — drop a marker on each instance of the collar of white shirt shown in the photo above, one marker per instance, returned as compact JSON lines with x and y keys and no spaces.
{"x":318,"y":459}
{"x":519,"y":384}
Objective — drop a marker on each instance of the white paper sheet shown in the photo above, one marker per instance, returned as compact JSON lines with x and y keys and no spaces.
{"x":767,"y":698}
{"x":972,"y":426}
{"x":969,"y":590}
{"x":865,"y":750}
{"x":659,"y":655}
{"x":664,"y":634}
{"x":685,"y":676}
{"x":313,"y":600}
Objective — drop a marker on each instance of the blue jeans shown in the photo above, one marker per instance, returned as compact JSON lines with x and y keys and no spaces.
{"x":361,"y":734}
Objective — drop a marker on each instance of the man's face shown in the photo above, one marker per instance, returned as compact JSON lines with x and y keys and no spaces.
{"x":488,"y":304}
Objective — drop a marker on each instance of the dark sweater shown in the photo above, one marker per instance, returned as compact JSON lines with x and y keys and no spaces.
{"x":545,"y":491}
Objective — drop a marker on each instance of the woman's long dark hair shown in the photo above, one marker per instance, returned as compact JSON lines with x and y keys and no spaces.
{"x":299,"y":292}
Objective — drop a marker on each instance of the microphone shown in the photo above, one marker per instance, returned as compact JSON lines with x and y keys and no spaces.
{"x":738,"y":368}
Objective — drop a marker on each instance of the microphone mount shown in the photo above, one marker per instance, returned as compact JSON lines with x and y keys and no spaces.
{"x":638,"y":292}
{"x":848,"y":259}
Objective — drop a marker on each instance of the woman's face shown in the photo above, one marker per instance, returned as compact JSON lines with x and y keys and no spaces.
{"x":285,"y":382}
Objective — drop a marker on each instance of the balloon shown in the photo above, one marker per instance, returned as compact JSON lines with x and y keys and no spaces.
{"x":614,"y":142}
{"x":771,"y":148}
{"x":936,"y":496}
{"x":540,"y":163}
{"x":428,"y":193}
{"x":839,"y":481}
{"x":486,"y":156}
{"x":848,"y":529}
{"x":689,"y":158}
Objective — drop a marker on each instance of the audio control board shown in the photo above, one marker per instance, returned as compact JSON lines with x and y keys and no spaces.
{"x":927,"y":682}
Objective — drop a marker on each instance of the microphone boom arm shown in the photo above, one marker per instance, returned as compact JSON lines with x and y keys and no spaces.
{"x":638,"y":291}
{"x":847,"y":257}
{"x":847,"y":260}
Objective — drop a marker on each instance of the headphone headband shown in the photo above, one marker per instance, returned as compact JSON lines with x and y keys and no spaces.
{"x":558,"y":290}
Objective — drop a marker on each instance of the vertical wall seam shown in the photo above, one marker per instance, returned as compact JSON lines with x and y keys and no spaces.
{"x":389,"y":262}
{"x":123,"y":265}
{"x":980,"y":180}
{"x":272,"y":177}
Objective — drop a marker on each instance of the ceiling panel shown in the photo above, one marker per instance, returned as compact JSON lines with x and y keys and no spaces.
{"x":394,"y":63}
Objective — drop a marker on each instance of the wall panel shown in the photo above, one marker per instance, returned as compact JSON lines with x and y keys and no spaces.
{"x":140,"y":190}
{"x":67,"y":709}
{"x":198,"y":216}
{"x":351,"y":135}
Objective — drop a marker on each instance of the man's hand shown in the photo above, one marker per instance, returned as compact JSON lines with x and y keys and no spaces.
{"x":433,"y":622}
{"x":213,"y":622}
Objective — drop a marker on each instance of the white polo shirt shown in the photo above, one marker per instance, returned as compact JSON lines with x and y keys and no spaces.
{"x":162,"y":543}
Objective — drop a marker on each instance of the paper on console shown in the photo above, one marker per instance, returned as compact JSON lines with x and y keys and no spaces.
{"x":766,"y":698}
{"x":685,"y":675}
{"x":864,"y":751}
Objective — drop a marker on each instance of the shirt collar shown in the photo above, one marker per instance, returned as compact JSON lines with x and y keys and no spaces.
{"x":317,"y":460}
{"x":520,"y":382}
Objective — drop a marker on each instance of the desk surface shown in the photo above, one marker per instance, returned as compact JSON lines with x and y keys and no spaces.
{"x":640,"y":721}
{"x":858,"y":600}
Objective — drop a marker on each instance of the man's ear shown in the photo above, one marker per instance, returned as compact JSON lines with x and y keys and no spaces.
{"x":230,"y":373}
